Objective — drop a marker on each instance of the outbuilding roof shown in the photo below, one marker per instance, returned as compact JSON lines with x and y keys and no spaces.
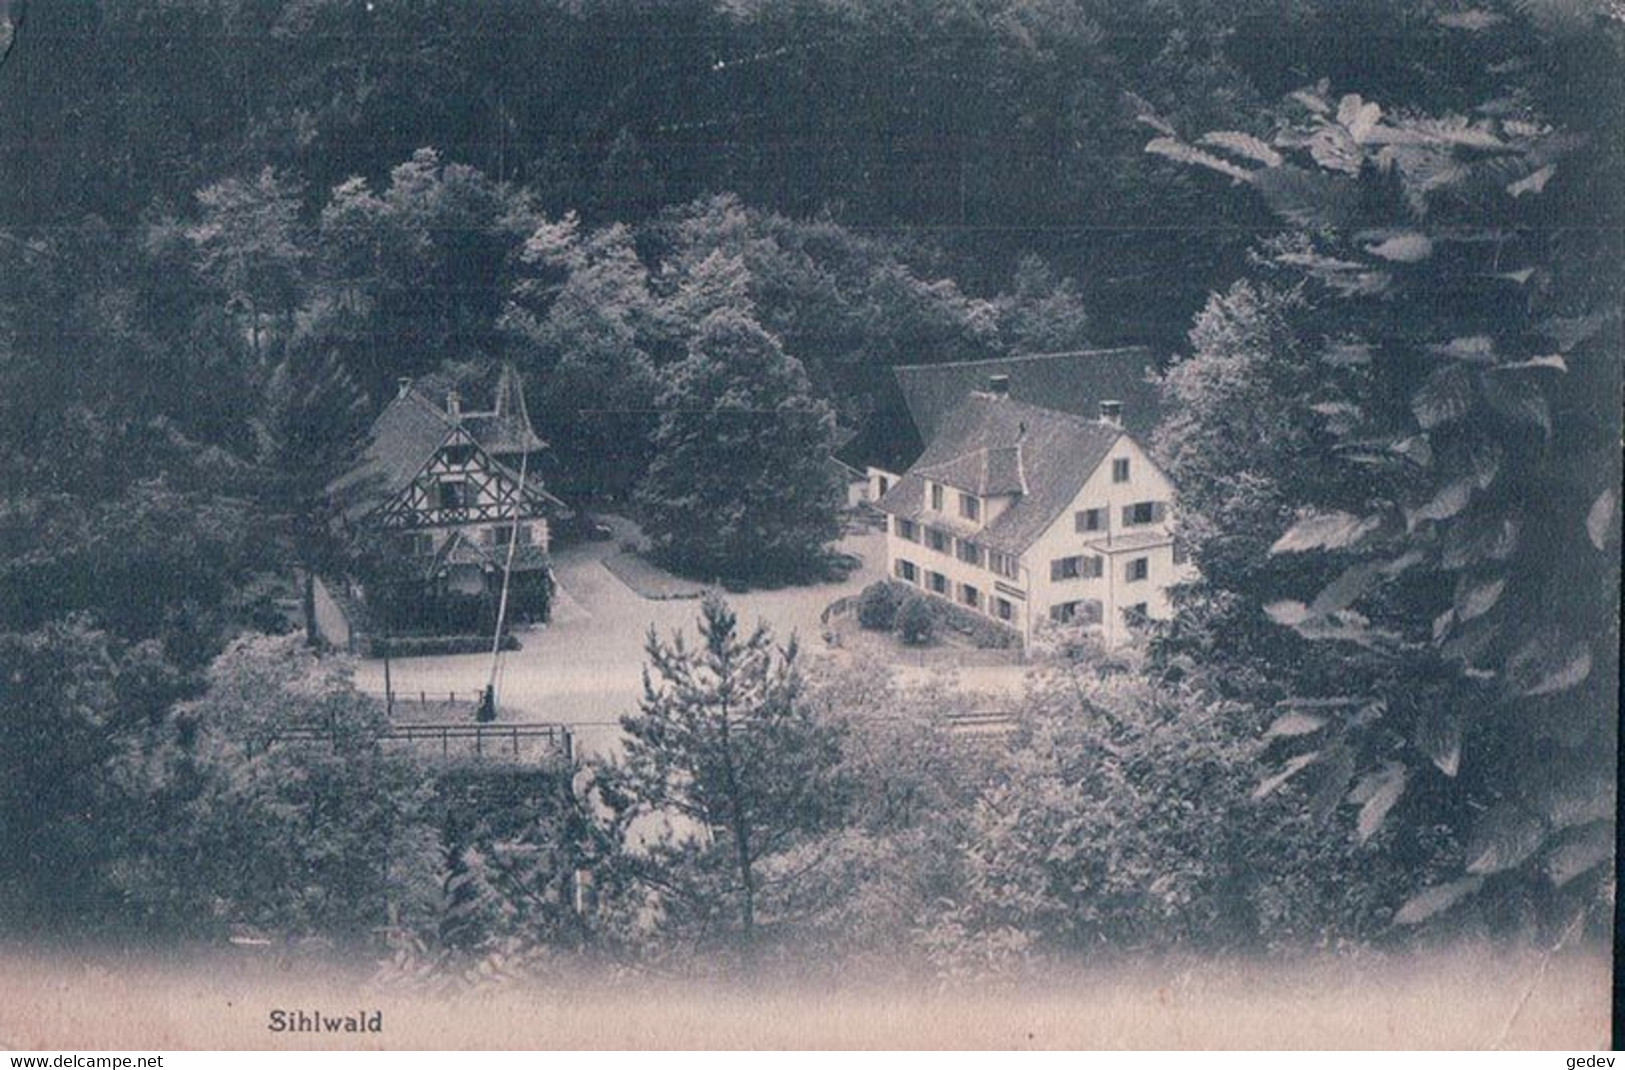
{"x":1074,"y":382}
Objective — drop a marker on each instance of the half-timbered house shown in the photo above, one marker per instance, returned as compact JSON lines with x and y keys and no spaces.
{"x":450,"y":501}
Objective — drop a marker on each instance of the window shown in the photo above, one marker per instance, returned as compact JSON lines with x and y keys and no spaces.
{"x":1089,"y":520}
{"x":1004,"y":564}
{"x":1087,"y":611}
{"x":907,"y":529}
{"x":458,"y":455}
{"x":907,"y":571}
{"x":1138,"y":569}
{"x":503,"y":534}
{"x":969,"y":507}
{"x":936,"y":496}
{"x":882,"y":484}
{"x":970,"y":553}
{"x":1073,"y":568}
{"x":420,"y":543}
{"x":937,"y":582}
{"x":454,"y":494}
{"x":1003,"y":609}
{"x":1120,"y":470}
{"x":1142,"y":513}
{"x":970,"y":596}
{"x":1135,"y":612}
{"x":940,"y":541}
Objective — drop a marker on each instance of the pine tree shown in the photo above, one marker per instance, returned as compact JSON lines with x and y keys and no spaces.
{"x":727,"y":754}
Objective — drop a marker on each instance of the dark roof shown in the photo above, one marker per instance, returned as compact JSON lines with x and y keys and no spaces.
{"x":414,"y":425}
{"x":885,"y":437}
{"x":403,"y":438}
{"x":1053,"y":453}
{"x":985,"y":471}
{"x":1075,"y":382}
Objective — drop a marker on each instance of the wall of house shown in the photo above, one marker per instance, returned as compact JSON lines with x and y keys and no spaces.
{"x":1111,"y":589}
{"x":1146,"y":483}
{"x":540,"y":534}
{"x":880,"y":481}
{"x":956,"y":572}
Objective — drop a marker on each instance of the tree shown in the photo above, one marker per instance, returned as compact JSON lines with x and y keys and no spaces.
{"x":418,"y":273}
{"x":311,"y":420}
{"x":243,"y":822}
{"x":726,"y":770}
{"x":1041,"y":313}
{"x":916,"y":621}
{"x":1458,"y":573}
{"x":587,"y":325}
{"x":250,"y":246}
{"x":59,"y":810}
{"x":741,"y":482}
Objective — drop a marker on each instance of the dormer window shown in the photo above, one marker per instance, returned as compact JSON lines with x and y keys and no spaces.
{"x":970,"y":507}
{"x":936,"y":496}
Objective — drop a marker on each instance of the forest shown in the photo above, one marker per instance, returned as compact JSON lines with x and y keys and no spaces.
{"x":1375,"y":247}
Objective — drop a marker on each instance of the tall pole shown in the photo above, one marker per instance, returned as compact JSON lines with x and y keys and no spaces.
{"x":507,"y":576}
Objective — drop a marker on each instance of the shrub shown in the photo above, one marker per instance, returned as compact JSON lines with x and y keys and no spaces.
{"x":417,"y":646}
{"x":878,"y":606}
{"x":984,"y":633}
{"x":916,"y":623}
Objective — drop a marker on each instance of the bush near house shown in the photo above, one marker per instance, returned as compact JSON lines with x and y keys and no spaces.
{"x":878,"y":605}
{"x":886,"y":601}
{"x":916,"y":623}
{"x":422,"y":646}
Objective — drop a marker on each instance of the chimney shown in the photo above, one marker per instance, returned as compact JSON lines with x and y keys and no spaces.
{"x":454,"y":404}
{"x":1111,"y":413}
{"x":405,"y":384}
{"x":998,"y":385}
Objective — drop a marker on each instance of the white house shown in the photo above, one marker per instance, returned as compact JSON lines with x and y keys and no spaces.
{"x":1025,"y":514}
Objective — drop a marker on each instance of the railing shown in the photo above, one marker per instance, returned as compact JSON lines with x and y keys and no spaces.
{"x":425,"y":699}
{"x":494,"y":741}
{"x":981,"y":721}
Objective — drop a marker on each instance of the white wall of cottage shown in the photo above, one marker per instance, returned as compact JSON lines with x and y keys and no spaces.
{"x":1113,"y":590}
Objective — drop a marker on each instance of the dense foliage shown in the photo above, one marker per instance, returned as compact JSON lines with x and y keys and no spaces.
{"x":1374,"y":246}
{"x":1415,"y":551}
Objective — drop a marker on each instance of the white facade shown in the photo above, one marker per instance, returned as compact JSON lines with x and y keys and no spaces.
{"x":1107,"y":555}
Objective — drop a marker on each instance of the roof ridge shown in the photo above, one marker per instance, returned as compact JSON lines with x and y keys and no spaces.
{"x":1075,"y":418}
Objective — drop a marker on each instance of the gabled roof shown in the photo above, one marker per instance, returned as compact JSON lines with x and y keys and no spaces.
{"x":414,"y":425}
{"x":1055,"y":453}
{"x":986,"y":471}
{"x":459,"y":550}
{"x":402,"y":440}
{"x":1073,"y":382}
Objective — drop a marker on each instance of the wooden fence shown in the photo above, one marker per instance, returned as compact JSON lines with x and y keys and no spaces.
{"x":497,"y":742}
